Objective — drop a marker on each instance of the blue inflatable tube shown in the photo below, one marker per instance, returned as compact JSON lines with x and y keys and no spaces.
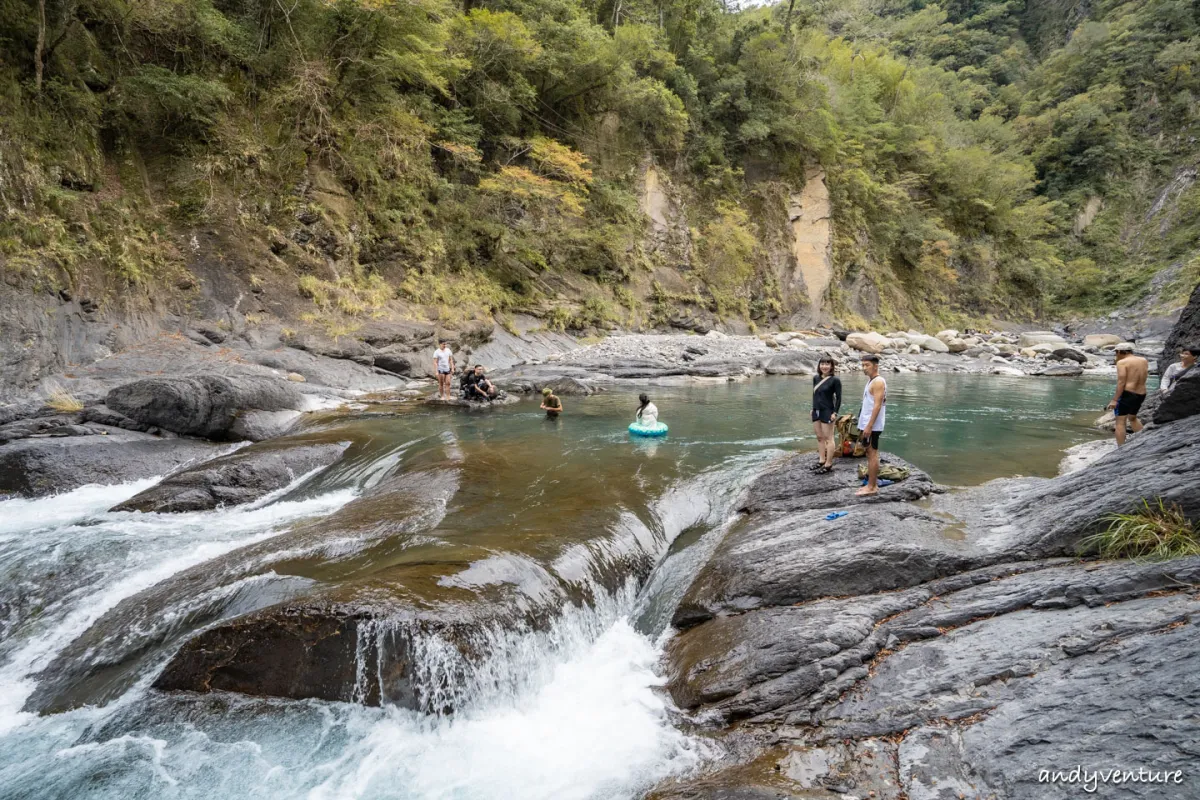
{"x":657,"y":429}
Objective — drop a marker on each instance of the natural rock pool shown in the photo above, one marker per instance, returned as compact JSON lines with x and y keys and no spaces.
{"x":429,"y":570}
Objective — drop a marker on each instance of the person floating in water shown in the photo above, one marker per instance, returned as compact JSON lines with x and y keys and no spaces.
{"x":550,"y":403}
{"x":1132,"y":372}
{"x":443,"y":364}
{"x":871,"y":420}
{"x":647,"y":413}
{"x":826,"y":402}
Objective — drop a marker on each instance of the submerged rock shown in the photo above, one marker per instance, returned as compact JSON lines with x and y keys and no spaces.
{"x":242,"y":477}
{"x":211,"y":406}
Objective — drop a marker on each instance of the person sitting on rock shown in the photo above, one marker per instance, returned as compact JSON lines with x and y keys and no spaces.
{"x":1132,"y":372}
{"x":1187,"y":360}
{"x":465,"y":383}
{"x":480,"y":389}
{"x":550,"y":403}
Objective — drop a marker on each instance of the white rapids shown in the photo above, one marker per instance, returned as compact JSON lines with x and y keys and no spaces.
{"x":574,"y":712}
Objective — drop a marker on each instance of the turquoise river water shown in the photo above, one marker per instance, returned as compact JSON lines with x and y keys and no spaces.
{"x":573,"y":712}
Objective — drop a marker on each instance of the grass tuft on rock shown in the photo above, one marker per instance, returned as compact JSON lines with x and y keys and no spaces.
{"x":1155,"y":532}
{"x":61,"y":400}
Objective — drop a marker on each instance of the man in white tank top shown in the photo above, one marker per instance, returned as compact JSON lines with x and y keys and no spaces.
{"x":871,"y":420}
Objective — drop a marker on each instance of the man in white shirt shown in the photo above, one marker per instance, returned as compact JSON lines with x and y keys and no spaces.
{"x":871,"y":420}
{"x":443,"y":364}
{"x":1187,"y":360}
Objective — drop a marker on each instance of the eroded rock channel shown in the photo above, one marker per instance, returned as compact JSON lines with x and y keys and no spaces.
{"x":944,"y":644}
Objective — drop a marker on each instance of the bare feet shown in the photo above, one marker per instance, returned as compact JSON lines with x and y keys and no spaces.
{"x":866,"y":492}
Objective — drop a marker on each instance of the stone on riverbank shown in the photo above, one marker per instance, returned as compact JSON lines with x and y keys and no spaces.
{"x":793,"y":363}
{"x":211,"y":406}
{"x":238,"y":478}
{"x":871,"y":342}
{"x":1101,"y":340}
{"x":1034,"y":338}
{"x":1182,"y":401}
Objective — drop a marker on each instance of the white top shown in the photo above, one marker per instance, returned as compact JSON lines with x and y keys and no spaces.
{"x":443,"y":356}
{"x":868,"y":405}
{"x":649,"y":415}
{"x":1171,"y":375}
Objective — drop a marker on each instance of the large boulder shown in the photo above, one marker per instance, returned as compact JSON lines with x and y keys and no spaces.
{"x":1101,"y":340}
{"x":869,"y":342}
{"x":957,"y":346}
{"x":1182,"y":401}
{"x":235,"y":479}
{"x":947,"y":335}
{"x":1069,"y":354}
{"x":35,"y":467}
{"x":801,"y":362}
{"x":1186,"y":332}
{"x":756,"y":564}
{"x":931,"y":343}
{"x":568,"y":386}
{"x":218,"y":407}
{"x":1032,"y":338}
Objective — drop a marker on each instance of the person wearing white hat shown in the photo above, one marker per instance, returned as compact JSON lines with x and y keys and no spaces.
{"x":1132,"y":372}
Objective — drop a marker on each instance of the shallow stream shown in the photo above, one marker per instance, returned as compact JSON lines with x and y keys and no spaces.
{"x":497,"y":498}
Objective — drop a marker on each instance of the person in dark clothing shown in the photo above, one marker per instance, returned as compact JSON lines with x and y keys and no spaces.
{"x":550,"y":403}
{"x":480,"y":389}
{"x":827,"y":401}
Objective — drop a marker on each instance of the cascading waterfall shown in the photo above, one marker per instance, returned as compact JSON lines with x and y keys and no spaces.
{"x":568,"y":710}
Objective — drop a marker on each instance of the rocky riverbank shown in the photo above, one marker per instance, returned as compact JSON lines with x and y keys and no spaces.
{"x":715,"y":355}
{"x":940,"y":645}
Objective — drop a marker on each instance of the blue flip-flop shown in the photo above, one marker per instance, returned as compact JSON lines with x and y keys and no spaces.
{"x":836,"y":515}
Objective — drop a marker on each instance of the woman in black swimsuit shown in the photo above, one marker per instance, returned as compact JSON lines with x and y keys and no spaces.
{"x":827,"y":400}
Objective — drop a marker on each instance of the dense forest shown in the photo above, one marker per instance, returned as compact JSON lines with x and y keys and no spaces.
{"x":1019,"y":158}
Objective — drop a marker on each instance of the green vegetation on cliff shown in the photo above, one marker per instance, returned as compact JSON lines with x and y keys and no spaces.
{"x":981,"y":156}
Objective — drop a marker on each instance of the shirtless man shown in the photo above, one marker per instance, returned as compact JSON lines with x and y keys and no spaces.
{"x":1131,"y":389}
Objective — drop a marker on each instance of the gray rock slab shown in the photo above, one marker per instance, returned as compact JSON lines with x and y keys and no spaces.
{"x":208,"y":406}
{"x":238,"y":478}
{"x":35,"y":467}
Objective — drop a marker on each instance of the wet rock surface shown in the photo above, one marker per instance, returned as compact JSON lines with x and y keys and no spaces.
{"x":1185,"y":333}
{"x":38,"y":466}
{"x":210,"y":406}
{"x":242,"y":477}
{"x":958,"y":635}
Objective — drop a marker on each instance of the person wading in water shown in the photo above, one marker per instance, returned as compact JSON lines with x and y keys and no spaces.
{"x":871,"y":421}
{"x":1132,"y":372}
{"x":826,"y":402}
{"x":550,"y":403}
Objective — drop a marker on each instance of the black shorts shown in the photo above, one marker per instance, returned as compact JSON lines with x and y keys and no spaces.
{"x":873,"y":440}
{"x":822,"y":415}
{"x":1128,"y":404}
